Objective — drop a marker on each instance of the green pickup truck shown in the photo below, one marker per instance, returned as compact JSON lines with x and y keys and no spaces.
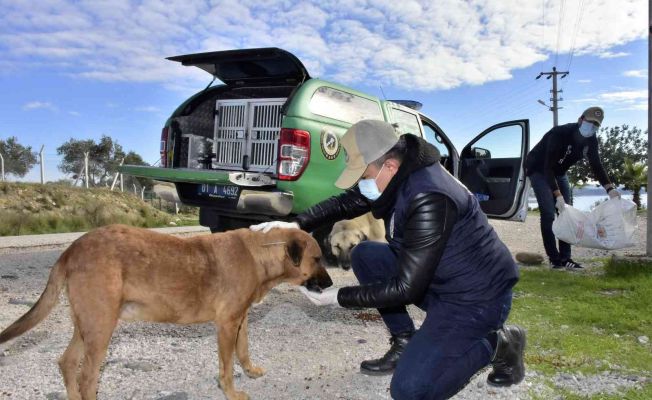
{"x":265,"y":144}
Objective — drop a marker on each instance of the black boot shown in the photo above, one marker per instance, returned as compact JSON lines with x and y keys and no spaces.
{"x":508,"y":367}
{"x":387,"y":364}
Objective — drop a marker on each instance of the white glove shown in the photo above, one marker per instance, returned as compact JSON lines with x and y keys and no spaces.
{"x":267,"y":226}
{"x":613,"y":193}
{"x":328,"y":297}
{"x":560,"y":203}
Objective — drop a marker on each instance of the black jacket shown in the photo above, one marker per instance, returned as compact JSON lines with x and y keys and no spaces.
{"x":559,"y":149}
{"x":430,"y":220}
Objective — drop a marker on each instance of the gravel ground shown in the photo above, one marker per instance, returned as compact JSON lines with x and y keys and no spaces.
{"x":309,"y":352}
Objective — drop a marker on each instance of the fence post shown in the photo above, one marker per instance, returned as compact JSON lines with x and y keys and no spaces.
{"x":81,"y":171}
{"x":122,"y":186}
{"x":2,"y":163}
{"x":115,"y":178}
{"x":86,"y":168}
{"x":40,"y":154}
{"x":142,"y":193}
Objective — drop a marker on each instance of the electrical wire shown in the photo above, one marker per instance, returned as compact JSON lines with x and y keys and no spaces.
{"x":578,"y":27}
{"x":559,"y":29}
{"x":576,"y":31}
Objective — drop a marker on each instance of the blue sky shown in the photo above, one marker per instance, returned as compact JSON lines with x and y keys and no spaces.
{"x":86,"y":68}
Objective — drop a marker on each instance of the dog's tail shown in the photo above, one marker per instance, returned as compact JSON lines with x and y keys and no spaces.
{"x":43,"y":306}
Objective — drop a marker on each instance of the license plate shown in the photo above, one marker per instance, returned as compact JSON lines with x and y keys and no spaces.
{"x":219,"y":191}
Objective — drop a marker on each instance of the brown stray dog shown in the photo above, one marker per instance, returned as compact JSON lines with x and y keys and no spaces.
{"x":119,"y":272}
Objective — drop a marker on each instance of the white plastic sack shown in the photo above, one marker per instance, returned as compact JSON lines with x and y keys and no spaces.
{"x":611,"y":225}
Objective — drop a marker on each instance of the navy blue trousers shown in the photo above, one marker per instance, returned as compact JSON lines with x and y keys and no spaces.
{"x":547,"y":210}
{"x":452,"y":343}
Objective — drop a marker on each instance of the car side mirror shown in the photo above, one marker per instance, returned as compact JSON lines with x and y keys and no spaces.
{"x":479,"y":152}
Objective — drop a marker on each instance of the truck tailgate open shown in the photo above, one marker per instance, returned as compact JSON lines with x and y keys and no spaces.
{"x":176,"y":174}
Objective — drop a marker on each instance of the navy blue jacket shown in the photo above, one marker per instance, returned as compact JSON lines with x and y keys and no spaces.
{"x":444,"y":244}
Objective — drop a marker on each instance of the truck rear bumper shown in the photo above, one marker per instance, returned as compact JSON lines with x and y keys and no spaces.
{"x":249,"y":201}
{"x":268,"y":203}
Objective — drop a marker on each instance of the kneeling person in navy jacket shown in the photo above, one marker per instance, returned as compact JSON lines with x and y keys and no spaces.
{"x":442,"y":255}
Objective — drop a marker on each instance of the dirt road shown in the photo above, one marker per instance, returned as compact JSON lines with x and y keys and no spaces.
{"x":309,"y":352}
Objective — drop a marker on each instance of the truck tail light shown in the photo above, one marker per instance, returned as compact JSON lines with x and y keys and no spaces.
{"x":164,"y":147}
{"x":293,"y":153}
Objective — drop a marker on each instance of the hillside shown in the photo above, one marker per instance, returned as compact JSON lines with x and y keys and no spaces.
{"x":30,"y":208}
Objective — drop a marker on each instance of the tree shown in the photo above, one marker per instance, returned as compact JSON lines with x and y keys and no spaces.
{"x":19,"y":159}
{"x":103,"y":159}
{"x":615,"y":144}
{"x":634,"y":178}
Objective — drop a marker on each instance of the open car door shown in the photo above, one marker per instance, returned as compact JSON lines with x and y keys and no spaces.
{"x":492,"y":166}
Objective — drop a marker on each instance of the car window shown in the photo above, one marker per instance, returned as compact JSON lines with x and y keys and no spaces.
{"x":434,"y":139}
{"x":503,"y":142}
{"x":342,"y":106}
{"x":407,"y":122}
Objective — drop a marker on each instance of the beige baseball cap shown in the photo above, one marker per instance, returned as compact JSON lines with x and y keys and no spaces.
{"x":364,"y":142}
{"x":593,"y":114}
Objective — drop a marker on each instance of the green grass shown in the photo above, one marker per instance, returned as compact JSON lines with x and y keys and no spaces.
{"x":588,"y":322}
{"x":27,"y":208}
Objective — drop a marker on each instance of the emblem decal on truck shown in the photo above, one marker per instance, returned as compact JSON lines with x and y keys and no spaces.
{"x":330,"y":144}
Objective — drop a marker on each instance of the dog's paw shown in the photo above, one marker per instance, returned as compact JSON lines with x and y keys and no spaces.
{"x":254,"y":371}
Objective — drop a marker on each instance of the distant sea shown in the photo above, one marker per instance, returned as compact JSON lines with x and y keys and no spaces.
{"x":585,"y":199}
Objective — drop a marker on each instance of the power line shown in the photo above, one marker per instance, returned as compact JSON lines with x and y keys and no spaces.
{"x":578,"y":27}
{"x":543,"y":23}
{"x":559,"y":29}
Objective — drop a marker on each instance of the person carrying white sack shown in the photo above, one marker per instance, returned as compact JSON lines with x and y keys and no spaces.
{"x":547,"y":163}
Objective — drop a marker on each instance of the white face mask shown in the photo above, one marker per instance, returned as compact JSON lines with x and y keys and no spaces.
{"x":587,"y":129}
{"x":369,"y":188}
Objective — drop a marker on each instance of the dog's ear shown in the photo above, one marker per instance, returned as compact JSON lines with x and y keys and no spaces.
{"x":294,"y":249}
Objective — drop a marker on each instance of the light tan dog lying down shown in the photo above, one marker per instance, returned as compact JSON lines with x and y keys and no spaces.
{"x":346,"y":234}
{"x":119,"y":272}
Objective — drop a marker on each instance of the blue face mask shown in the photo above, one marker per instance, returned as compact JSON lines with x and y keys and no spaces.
{"x":587,"y":129}
{"x":368,"y":187}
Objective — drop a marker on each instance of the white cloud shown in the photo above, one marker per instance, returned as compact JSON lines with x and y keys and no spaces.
{"x":411,"y":44}
{"x":586,"y":100}
{"x":627,"y":95}
{"x":583,"y":81}
{"x":608,"y":54}
{"x":626,"y":99}
{"x":36,"y":105}
{"x":636,"y":73}
{"x":74,"y":113}
{"x":151,"y":109}
{"x":635,"y":107}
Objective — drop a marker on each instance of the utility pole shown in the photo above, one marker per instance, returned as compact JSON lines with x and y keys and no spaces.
{"x":649,"y":136}
{"x":555,"y":99}
{"x":40,"y":154}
